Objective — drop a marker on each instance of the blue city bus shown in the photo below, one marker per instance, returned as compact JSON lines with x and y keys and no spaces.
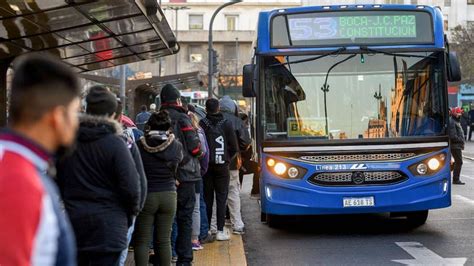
{"x":350,"y":110}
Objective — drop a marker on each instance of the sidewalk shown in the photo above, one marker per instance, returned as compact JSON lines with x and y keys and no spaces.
{"x":218,"y":253}
{"x":468,"y":152}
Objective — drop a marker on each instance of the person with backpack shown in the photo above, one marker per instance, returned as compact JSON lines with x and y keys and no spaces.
{"x":230,"y":112}
{"x":189,"y":171}
{"x":161,"y":153}
{"x":223,"y":147}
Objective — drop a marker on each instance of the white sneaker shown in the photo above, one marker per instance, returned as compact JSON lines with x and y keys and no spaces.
{"x":222,"y":236}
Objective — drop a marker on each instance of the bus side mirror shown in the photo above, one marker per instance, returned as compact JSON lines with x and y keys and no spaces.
{"x":454,"y":70}
{"x":247,"y":84}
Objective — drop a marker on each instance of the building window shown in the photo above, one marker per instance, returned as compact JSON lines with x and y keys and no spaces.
{"x":231,"y":22}
{"x":445,"y":24}
{"x":470,"y":2}
{"x":196,"y":22}
{"x":414,"y":2}
{"x":396,"y":2}
{"x":447,"y":2}
{"x":230,"y":52}
{"x":195,"y":53}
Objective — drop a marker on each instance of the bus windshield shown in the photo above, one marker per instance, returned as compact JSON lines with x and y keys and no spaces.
{"x":354,"y":96}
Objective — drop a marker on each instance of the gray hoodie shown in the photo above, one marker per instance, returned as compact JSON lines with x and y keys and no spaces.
{"x":229,"y":111}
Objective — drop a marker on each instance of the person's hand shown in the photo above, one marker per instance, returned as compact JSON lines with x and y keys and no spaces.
{"x":177,"y":183}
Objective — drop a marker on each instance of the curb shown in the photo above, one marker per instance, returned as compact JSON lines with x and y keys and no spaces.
{"x":222,"y":253}
{"x":468,"y":157}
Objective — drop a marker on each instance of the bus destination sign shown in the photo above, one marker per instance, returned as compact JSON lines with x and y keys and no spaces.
{"x":351,"y":27}
{"x":358,"y":27}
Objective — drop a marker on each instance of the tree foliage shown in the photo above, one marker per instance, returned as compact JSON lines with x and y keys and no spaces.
{"x":462,"y":42}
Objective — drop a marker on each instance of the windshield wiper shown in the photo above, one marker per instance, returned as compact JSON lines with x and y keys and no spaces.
{"x":335,"y":52}
{"x":375,"y":51}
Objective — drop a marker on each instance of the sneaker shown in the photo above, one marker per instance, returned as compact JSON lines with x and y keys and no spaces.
{"x":174,"y":259}
{"x":197,"y":246}
{"x":222,"y":236}
{"x":228,"y":222}
{"x":208,"y":239}
{"x":458,"y":182}
{"x":238,"y":231}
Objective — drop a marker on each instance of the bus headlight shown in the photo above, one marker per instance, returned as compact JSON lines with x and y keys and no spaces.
{"x":433,"y":164}
{"x":422,"y":169}
{"x":293,"y":172}
{"x":285,"y":170}
{"x":429,"y":166}
{"x":280,"y":168}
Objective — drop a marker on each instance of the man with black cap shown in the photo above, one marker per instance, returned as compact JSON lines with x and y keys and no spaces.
{"x":99,"y":183}
{"x":188,"y":172}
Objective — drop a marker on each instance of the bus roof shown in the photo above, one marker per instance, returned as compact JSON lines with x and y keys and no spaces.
{"x":264,"y":45}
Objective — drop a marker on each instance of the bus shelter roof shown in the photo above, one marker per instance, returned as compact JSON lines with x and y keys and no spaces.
{"x":183,"y":81}
{"x":86,"y":34}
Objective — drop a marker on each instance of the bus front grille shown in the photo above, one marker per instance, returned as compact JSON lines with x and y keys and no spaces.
{"x":357,"y":178}
{"x":358,"y":157}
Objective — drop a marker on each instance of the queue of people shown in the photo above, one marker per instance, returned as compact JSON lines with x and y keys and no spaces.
{"x":118,"y":184}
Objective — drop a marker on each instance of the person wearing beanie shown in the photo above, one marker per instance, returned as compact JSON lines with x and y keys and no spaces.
{"x":99,"y":183}
{"x":188,"y":172}
{"x":456,"y":138}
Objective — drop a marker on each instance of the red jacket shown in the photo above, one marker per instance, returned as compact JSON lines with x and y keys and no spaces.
{"x":33,"y":230}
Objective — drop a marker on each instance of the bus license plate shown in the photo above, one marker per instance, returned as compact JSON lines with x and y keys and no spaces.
{"x":359,"y":202}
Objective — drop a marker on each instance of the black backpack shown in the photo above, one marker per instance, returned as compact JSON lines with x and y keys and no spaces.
{"x":217,"y":142}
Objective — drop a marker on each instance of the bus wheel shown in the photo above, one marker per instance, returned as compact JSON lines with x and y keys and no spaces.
{"x":263,"y":217}
{"x":273,"y":221}
{"x":418,"y":218}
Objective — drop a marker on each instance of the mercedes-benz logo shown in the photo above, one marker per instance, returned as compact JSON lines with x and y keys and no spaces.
{"x":358,"y":178}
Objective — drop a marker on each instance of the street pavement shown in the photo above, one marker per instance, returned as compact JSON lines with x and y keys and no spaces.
{"x":446,"y":239}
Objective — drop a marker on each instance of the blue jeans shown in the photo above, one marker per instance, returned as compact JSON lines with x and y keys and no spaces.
{"x":123,"y":255}
{"x":174,"y":236}
{"x":204,"y":221}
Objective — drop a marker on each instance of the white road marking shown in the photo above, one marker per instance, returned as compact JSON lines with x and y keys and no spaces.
{"x":464,"y":199}
{"x":424,"y":256}
{"x":468,"y":177}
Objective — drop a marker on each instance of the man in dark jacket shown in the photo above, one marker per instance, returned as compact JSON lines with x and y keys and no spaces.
{"x":230,"y":112}
{"x":471,"y":120}
{"x":456,"y":137}
{"x":223,"y":148}
{"x":188,"y":171}
{"x":100,"y":184}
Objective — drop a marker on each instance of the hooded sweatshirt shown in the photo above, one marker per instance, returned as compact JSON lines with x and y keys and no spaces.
{"x":229,"y":111}
{"x":161,"y":154}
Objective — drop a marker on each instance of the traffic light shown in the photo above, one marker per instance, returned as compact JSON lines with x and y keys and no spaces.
{"x":215,"y":61}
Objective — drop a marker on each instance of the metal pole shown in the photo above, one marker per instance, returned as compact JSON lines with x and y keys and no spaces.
{"x":176,"y":34}
{"x":122,"y":86}
{"x":210,"y":73}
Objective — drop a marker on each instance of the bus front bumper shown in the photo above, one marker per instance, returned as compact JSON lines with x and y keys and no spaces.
{"x":288,"y":198}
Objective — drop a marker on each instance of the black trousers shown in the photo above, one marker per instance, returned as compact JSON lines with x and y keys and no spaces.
{"x":216,"y":180}
{"x":471,"y":128}
{"x":184,"y":218}
{"x":98,"y":258}
{"x":457,"y":155}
